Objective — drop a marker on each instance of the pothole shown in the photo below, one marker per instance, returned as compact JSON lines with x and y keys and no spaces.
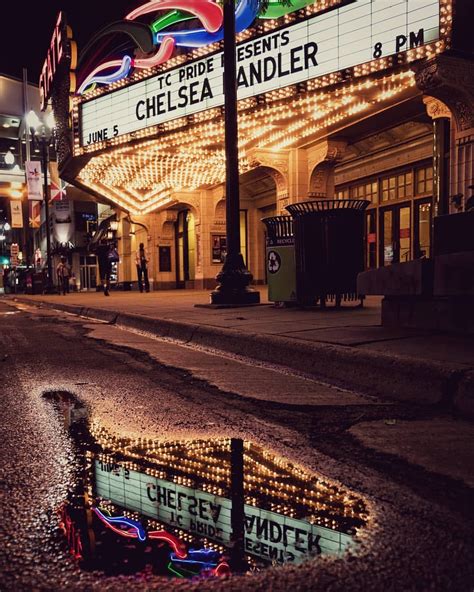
{"x":195,"y":508}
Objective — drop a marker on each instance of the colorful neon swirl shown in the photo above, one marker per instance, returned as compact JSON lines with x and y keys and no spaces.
{"x":163,"y":54}
{"x":131,"y":528}
{"x":206,"y":563}
{"x":207,"y":12}
{"x":178,"y":546}
{"x":125,"y":65}
{"x":204,"y":557}
{"x":245,"y":14}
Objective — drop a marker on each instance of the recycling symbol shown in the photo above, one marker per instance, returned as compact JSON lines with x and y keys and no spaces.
{"x":274,"y":262}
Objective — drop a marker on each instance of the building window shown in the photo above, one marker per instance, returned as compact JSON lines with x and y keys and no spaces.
{"x":424,"y":180}
{"x":388,"y":188}
{"x":365,"y":191}
{"x":404,"y":185}
{"x":397,"y":186}
{"x":342,"y":193}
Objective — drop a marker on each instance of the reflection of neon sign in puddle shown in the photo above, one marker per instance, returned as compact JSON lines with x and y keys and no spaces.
{"x":180,"y":495}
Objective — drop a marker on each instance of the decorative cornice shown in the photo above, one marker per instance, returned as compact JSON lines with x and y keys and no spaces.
{"x":451,"y":80}
{"x":435,"y":108}
{"x":327,"y":151}
{"x":269,"y":159}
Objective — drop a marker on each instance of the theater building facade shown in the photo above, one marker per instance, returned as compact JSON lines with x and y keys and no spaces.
{"x":337,"y":100}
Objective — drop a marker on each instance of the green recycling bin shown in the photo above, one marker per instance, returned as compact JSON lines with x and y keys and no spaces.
{"x":280,"y":259}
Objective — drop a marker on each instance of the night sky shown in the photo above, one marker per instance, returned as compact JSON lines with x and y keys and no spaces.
{"x":28,"y":28}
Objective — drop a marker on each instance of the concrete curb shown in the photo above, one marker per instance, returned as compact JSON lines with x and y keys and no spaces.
{"x":162,"y":327}
{"x":376,"y":374}
{"x":397,"y":378}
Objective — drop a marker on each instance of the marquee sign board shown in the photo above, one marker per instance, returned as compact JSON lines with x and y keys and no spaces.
{"x":268,"y":535}
{"x":344,"y":37}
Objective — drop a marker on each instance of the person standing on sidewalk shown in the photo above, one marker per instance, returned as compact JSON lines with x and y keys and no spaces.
{"x":141,"y":260}
{"x":63,"y":271}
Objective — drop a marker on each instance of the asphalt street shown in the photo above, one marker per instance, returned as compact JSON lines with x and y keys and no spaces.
{"x":419,"y":533}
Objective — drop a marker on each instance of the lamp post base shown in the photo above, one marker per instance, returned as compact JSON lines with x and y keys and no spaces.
{"x":233,"y":288}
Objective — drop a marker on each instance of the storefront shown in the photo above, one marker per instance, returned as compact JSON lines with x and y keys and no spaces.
{"x":336,"y":100}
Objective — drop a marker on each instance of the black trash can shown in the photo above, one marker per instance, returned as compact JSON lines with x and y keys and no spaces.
{"x":329,"y":248}
{"x":280,"y":260}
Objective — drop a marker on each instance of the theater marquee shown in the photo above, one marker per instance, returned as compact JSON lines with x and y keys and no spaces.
{"x":341,"y":38}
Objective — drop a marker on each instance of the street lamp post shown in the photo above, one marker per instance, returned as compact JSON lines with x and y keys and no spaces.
{"x":234,"y":278}
{"x":42,"y":133}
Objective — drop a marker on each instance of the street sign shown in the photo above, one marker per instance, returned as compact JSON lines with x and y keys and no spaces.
{"x":14,"y":255}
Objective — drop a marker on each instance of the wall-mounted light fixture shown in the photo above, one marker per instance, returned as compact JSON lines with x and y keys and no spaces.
{"x":9,"y":158}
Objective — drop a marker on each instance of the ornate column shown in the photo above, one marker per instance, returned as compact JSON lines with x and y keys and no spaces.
{"x":297,"y":175}
{"x":450,"y":79}
{"x":441,"y":117}
{"x":277,"y":166}
{"x":322,"y":158}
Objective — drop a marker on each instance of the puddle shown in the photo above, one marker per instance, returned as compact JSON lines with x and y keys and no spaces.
{"x":171,"y":507}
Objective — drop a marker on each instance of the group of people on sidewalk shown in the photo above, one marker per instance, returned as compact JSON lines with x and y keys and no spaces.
{"x":107,"y":254}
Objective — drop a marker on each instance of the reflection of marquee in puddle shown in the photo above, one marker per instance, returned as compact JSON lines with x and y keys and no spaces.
{"x":184,"y":488}
{"x":289,"y":513}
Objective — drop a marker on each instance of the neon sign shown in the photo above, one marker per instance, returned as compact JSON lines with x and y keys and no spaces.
{"x":207,"y":12}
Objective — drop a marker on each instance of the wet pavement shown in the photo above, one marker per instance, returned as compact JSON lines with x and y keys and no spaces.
{"x":417,"y":523}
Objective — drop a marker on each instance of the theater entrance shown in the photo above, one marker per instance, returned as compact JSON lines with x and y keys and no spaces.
{"x":395,"y":234}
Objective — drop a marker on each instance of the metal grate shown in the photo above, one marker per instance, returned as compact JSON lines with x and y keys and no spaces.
{"x":320,"y":205}
{"x":279,"y":226}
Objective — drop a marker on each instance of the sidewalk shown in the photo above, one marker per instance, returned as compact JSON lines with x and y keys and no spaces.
{"x":346,"y":347}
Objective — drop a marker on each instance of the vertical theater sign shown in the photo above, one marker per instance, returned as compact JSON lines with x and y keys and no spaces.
{"x":61,"y":59}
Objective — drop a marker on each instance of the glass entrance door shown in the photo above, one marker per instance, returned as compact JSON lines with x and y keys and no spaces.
{"x":371,"y":235}
{"x":395,"y":234}
{"x":88,"y":270}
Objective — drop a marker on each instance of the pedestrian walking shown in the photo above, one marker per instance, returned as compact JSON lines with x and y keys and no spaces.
{"x":141,"y":260}
{"x":63,"y":272}
{"x":106,"y":254}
